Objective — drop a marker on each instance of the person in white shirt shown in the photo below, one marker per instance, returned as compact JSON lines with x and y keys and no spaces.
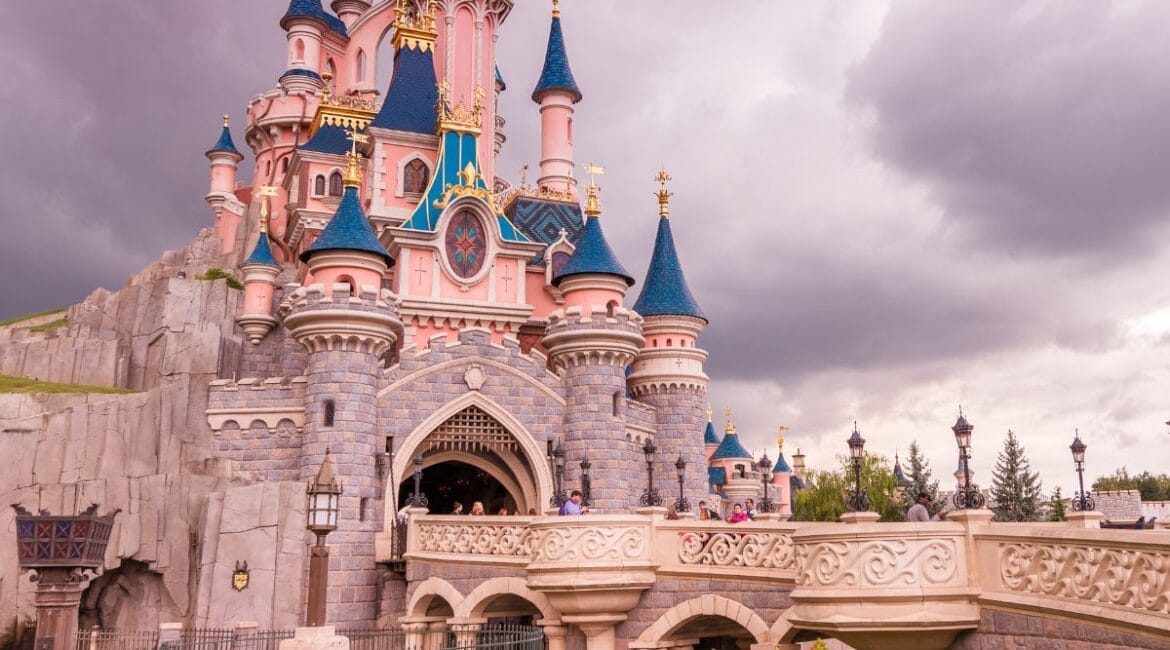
{"x":918,"y":511}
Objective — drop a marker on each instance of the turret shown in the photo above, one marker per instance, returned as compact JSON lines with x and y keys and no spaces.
{"x":668,"y":372}
{"x":225,"y":163}
{"x":742,"y":482}
{"x":592,"y":341}
{"x":350,"y":10}
{"x":305,"y":23}
{"x":260,"y":271}
{"x":711,"y":439}
{"x":348,"y":324}
{"x":782,"y":481}
{"x":556,"y":92}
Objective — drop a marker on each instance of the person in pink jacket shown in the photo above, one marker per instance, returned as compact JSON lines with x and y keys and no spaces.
{"x":737,"y":515}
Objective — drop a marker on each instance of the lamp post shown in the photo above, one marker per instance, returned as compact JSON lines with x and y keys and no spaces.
{"x":682,"y":505}
{"x":1083,"y":502}
{"x":586,"y":482}
{"x":324,"y":496}
{"x":767,"y":505}
{"x":858,"y":499}
{"x":967,"y":496}
{"x":417,"y":499}
{"x":558,"y":498}
{"x":650,"y":498}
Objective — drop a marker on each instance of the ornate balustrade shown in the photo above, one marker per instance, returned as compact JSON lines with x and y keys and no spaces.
{"x":493,"y":540}
{"x":1103,"y":575}
{"x":754,"y":551}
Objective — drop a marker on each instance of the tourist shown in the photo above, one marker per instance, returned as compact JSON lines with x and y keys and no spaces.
{"x":532,"y":512}
{"x":737,"y":515}
{"x":918,"y":511}
{"x":502,"y":513}
{"x":707,"y":513}
{"x":751,"y":509}
{"x":672,"y":511}
{"x":573,"y":505}
{"x":477,"y":509}
{"x":458,"y":509}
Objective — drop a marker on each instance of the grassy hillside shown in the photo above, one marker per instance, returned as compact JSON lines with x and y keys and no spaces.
{"x":10,"y":384}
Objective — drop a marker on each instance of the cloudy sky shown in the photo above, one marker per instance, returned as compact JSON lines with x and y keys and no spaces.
{"x":886,"y":210}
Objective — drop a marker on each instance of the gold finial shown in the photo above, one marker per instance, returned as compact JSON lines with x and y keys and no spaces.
{"x":264,"y":193}
{"x":780,"y":438}
{"x":556,"y":8}
{"x":664,"y":193}
{"x":227,"y":120}
{"x":353,"y":170}
{"x":326,"y":88}
{"x":460,"y":117}
{"x":413,"y":30}
{"x":730,"y":428}
{"x":593,"y":201}
{"x":710,"y":413}
{"x":524,"y":176}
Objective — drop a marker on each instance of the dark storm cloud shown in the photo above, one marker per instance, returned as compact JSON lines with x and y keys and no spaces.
{"x":1042,"y":125}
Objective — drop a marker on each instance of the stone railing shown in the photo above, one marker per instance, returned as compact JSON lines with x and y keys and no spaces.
{"x":498,"y":540}
{"x":743,"y":551}
{"x":1105,"y":575}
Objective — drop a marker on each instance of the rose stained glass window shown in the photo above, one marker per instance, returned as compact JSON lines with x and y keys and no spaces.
{"x":466,"y":244}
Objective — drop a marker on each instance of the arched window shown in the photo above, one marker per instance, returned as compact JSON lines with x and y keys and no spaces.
{"x":335,"y":185}
{"x":330,"y":413}
{"x":319,"y":186}
{"x":611,"y":308}
{"x":360,"y":71}
{"x":619,"y":399}
{"x":299,"y":50}
{"x":670,"y":343}
{"x":415,"y":177}
{"x":284,"y":165}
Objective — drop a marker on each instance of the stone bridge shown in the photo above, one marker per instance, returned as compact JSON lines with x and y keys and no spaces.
{"x":640,"y":581}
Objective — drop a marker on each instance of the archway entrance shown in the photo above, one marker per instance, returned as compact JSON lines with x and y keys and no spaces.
{"x":449,"y":482}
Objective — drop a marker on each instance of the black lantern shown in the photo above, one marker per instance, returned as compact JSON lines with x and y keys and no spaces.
{"x":1083,"y":502}
{"x":650,"y":498}
{"x":682,"y":505}
{"x":559,"y":497}
{"x":858,"y":499}
{"x":324,"y":497}
{"x":967,"y":496}
{"x":767,"y":505}
{"x":417,"y":499}
{"x":586,"y":482}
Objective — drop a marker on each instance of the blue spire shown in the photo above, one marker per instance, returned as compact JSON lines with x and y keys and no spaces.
{"x":593,"y":255}
{"x":262,"y":254}
{"x":349,"y":230}
{"x":312,"y":9}
{"x":225,"y":142}
{"x":557,"y":75}
{"x":731,"y":448}
{"x":500,"y":79}
{"x":413,"y":98}
{"x":709,"y":436}
{"x":666,"y":292}
{"x":781,"y":464}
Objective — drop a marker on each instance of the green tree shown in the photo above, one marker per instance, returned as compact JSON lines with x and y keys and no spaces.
{"x":824,"y":499}
{"x":1153,"y":488}
{"x":921,"y":480}
{"x":1059,"y":511}
{"x":1014,"y":487}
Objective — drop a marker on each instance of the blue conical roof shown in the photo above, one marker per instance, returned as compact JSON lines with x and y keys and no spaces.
{"x":781,"y":464}
{"x":262,"y":254}
{"x":666,"y":292}
{"x":593,"y":255}
{"x":730,"y":448}
{"x":225,"y":142}
{"x":709,"y":436}
{"x":312,"y":9}
{"x":899,"y":473}
{"x":413,"y":98}
{"x":349,"y":230}
{"x":557,"y":75}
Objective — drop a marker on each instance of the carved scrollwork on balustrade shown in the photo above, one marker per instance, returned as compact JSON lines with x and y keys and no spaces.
{"x":883,"y":563}
{"x":1129,"y":578}
{"x":752,"y":550}
{"x":590,"y":544}
{"x":474,"y":539}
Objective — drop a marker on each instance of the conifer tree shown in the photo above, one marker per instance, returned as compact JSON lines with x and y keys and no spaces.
{"x":1014,"y":487}
{"x":1059,"y":510}
{"x":921,"y":480}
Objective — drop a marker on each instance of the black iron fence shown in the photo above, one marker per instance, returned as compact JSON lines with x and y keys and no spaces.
{"x":97,"y":639}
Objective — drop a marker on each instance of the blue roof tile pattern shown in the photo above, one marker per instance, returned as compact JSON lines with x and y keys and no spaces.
{"x":666,"y":292}
{"x":542,"y":220}
{"x":557,"y":75}
{"x":716,"y":476}
{"x":593,"y":256}
{"x":413,"y":98}
{"x":328,"y":139}
{"x":730,"y":448}
{"x":262,"y":254}
{"x":312,"y":9}
{"x":225,"y":142}
{"x":349,"y":230}
{"x":456,"y":151}
{"x":781,"y":464}
{"x":709,"y":436}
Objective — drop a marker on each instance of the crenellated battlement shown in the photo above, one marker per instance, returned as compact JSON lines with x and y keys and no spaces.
{"x":601,"y":336}
{"x":339,"y":320}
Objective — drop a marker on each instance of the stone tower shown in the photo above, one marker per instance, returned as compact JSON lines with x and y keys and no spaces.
{"x":346,"y":322}
{"x":592,"y":341}
{"x":668,"y":372}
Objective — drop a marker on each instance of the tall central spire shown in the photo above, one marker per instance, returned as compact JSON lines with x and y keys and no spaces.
{"x":556,"y":92}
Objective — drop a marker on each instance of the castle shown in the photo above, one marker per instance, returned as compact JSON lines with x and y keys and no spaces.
{"x":443,"y":336}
